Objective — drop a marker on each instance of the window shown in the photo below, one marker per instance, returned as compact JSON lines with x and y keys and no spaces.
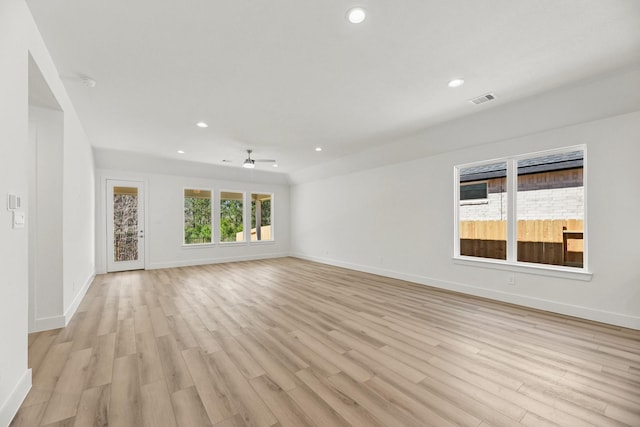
{"x":125,"y":224}
{"x":261,"y":208}
{"x":197,"y":216}
{"x":483,"y":228}
{"x":550,"y":209}
{"x":536,"y":198}
{"x":473,"y":191}
{"x":231,"y":217}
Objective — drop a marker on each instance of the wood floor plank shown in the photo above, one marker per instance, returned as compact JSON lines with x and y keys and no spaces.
{"x":287,"y":342}
{"x":241,"y":358}
{"x":141,"y":319}
{"x":346,"y":365}
{"x":45,"y":378}
{"x":430,"y":400}
{"x":126,"y":338}
{"x":180,"y":330}
{"x":176,"y":373}
{"x":189,"y":409}
{"x":124,"y":403}
{"x":149,"y":363}
{"x":29,"y":416}
{"x":210,"y":386}
{"x":93,"y":409}
{"x":155,"y":405}
{"x":348,"y":408}
{"x":40,"y":346}
{"x":278,"y":401}
{"x":64,"y":401}
{"x":272,"y":366}
{"x":319,"y":411}
{"x":246,"y":401}
{"x":100,"y":369}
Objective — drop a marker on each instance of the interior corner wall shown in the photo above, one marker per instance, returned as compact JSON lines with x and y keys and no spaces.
{"x":19,"y":38}
{"x":397,"y":221}
{"x":78,"y":221}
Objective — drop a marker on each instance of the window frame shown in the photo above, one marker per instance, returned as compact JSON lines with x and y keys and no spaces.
{"x":244,"y":217}
{"x":212,"y":221}
{"x":273,"y":235}
{"x":512,"y":263}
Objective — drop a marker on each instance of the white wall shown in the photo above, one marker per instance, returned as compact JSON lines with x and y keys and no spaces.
{"x":398,"y":221}
{"x":78,"y":222}
{"x":45,"y":217}
{"x":15,"y":378}
{"x":19,"y":38}
{"x":165,"y":181}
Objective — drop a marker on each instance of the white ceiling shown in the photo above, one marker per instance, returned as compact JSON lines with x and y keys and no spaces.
{"x":284,"y":76}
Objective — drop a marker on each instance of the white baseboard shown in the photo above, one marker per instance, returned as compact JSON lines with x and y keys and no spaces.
{"x":78,"y":299}
{"x":586,"y":313}
{"x":54,"y":322}
{"x":10,"y":406}
{"x":204,"y":261}
{"x":47,"y":323}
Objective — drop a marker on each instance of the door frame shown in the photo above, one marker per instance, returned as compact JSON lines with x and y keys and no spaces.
{"x":102,"y":240}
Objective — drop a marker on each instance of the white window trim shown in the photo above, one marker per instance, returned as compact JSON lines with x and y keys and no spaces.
{"x":273,"y":235}
{"x":512,"y":263}
{"x":213,"y":234}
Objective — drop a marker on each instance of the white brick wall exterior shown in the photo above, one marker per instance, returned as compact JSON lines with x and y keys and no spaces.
{"x":559,"y":203}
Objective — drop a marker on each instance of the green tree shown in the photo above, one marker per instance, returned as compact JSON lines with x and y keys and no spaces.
{"x":230,"y":219}
{"x":266,"y":212}
{"x":197,"y":220}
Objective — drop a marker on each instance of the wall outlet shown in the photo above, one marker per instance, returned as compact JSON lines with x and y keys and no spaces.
{"x":511,"y":280}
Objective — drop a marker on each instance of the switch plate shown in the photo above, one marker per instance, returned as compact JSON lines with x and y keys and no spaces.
{"x":13,"y":202}
{"x":19,"y":219}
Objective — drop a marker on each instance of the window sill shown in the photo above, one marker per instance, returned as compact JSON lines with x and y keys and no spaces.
{"x":529,"y":268}
{"x":262,"y":242}
{"x":474,"y":202}
{"x":198,"y":245}
{"x":233,"y":243}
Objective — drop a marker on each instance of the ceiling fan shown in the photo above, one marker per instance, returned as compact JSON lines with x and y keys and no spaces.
{"x":250,"y":163}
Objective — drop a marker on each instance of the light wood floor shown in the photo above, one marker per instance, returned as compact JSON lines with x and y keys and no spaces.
{"x":287,"y":342}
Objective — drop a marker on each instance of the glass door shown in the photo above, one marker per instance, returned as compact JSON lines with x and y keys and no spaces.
{"x":125,"y":225}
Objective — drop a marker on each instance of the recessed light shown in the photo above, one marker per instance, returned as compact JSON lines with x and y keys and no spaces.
{"x":356,"y":15}
{"x":456,"y":83}
{"x":318,"y":148}
{"x":202,"y":125}
{"x":180,"y":152}
{"x":275,"y":165}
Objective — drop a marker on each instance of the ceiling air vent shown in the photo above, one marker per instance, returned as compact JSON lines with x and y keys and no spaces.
{"x":482,"y":99}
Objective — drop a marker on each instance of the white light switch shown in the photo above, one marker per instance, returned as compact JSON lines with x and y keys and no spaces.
{"x":13,"y":202}
{"x":18,"y":219}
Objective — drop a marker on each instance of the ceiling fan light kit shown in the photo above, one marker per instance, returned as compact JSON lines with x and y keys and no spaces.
{"x":250,"y":163}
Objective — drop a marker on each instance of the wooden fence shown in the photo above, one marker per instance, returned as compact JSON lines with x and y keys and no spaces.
{"x":539,"y":241}
{"x":265,"y":232}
